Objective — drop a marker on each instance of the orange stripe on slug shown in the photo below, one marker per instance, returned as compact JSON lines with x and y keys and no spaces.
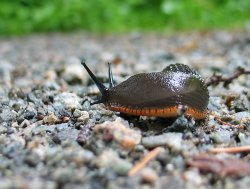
{"x":159,"y":112}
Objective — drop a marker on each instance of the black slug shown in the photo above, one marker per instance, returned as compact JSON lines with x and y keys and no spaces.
{"x":160,"y":94}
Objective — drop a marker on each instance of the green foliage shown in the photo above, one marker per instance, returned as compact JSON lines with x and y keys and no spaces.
{"x":26,"y":16}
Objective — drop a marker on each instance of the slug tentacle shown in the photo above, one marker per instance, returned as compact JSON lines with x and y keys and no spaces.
{"x":100,"y":86}
{"x":111,"y":80}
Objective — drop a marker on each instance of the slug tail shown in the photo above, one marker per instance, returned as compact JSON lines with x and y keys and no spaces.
{"x":100,"y":86}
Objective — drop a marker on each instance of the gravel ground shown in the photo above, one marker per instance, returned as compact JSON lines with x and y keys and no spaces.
{"x":50,"y":136}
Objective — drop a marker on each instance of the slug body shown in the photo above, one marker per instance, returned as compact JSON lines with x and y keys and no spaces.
{"x":167,"y":93}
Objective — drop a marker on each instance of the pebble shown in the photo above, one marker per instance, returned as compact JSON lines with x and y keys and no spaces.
{"x":50,"y":75}
{"x":3,"y":129}
{"x":42,"y":129}
{"x":13,"y":149}
{"x":82,"y":116}
{"x":148,"y":175}
{"x":110,"y":158}
{"x":84,"y":134}
{"x":32,"y":159}
{"x":74,"y":72}
{"x":30,"y":112}
{"x":221,"y":136}
{"x":126,"y":137}
{"x":8,"y":115}
{"x":193,"y":177}
{"x":172,"y":140}
{"x":216,"y":104}
{"x":241,"y":103}
{"x":67,"y":134}
{"x":68,"y":100}
{"x":244,"y":139}
{"x":77,"y":113}
{"x":62,"y":126}
{"x":50,"y":119}
{"x":25,"y":123}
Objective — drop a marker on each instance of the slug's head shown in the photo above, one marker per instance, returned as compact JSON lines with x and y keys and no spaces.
{"x":101,"y":87}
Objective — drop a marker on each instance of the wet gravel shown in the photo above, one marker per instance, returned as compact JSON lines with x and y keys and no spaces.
{"x":51,"y":137}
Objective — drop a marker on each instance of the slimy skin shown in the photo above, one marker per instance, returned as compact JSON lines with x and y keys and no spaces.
{"x":158,"y":94}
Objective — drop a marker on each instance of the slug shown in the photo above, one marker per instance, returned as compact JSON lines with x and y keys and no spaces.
{"x":175,"y":89}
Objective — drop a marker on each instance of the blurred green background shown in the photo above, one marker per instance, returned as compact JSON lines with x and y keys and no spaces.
{"x":28,"y":16}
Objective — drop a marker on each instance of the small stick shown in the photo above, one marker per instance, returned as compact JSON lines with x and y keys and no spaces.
{"x":216,"y":118}
{"x":151,"y":155}
{"x":236,"y":149}
{"x":215,"y":79}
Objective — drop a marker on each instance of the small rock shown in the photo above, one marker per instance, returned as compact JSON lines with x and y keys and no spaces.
{"x":83,"y":156}
{"x":77,"y":113}
{"x":43,"y":129}
{"x":241,"y":103}
{"x":84,"y":134}
{"x":50,"y":119}
{"x":172,"y":140}
{"x":117,"y":131}
{"x":74,"y":72}
{"x":32,"y":98}
{"x":25,"y":123}
{"x":84,"y":117}
{"x":50,"y":75}
{"x":32,"y":159}
{"x":86,"y":105}
{"x":60,"y":110}
{"x":62,"y":175}
{"x":148,"y":175}
{"x":8,"y":115}
{"x":62,"y":126}
{"x":244,"y":139}
{"x":221,"y":136}
{"x":67,"y":134}
{"x":68,"y":100}
{"x":111,"y":159}
{"x":13,"y":149}
{"x":3,"y":129}
{"x":193,"y":176}
{"x":216,"y":104}
{"x":29,"y":112}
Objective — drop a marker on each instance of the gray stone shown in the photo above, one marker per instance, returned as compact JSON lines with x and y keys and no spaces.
{"x":68,"y":100}
{"x":74,"y":71}
{"x":62,"y":126}
{"x":43,"y":129}
{"x":172,"y":140}
{"x":8,"y":115}
{"x":221,"y":136}
{"x":67,"y":134}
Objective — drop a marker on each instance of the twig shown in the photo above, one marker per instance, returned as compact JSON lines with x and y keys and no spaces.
{"x":216,"y":118}
{"x":223,"y":167}
{"x":216,"y":78}
{"x":151,"y":155}
{"x":236,"y":149}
